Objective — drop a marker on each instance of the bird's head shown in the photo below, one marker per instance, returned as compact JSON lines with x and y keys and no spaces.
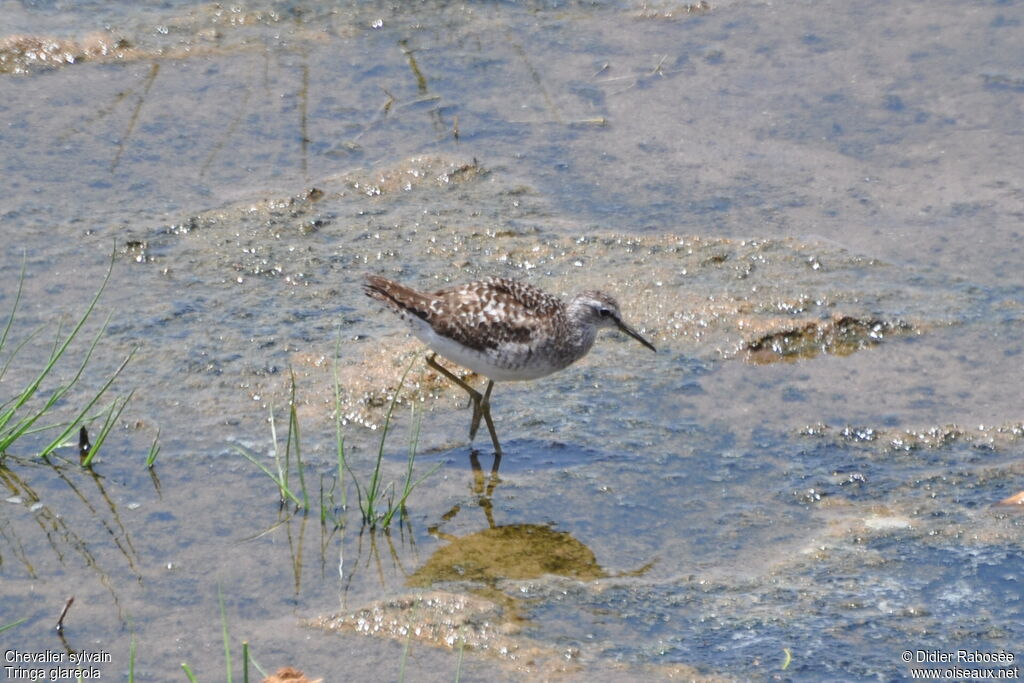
{"x":601,"y":310}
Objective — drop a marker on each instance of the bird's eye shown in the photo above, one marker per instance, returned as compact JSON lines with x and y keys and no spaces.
{"x":604,"y":312}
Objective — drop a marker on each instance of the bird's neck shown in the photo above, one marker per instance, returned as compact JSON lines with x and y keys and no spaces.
{"x":582,"y":331}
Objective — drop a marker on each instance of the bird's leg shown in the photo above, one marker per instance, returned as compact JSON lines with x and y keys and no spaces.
{"x":487,"y":393}
{"x":475,"y":424}
{"x":490,"y":428}
{"x":481,"y":403}
{"x":482,"y":408}
{"x":474,"y":396}
{"x":485,"y":410}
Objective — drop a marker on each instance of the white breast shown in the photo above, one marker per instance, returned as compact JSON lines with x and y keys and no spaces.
{"x":483,"y":363}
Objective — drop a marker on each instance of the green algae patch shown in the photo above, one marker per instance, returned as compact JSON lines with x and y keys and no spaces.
{"x":840,"y":335}
{"x":514,"y":551}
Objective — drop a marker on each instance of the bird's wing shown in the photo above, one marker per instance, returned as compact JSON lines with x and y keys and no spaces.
{"x":487,"y":314}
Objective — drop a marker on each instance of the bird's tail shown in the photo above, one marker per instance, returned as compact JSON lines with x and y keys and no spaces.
{"x":397,"y":296}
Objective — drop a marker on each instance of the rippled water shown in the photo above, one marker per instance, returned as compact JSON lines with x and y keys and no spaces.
{"x":814,"y":213}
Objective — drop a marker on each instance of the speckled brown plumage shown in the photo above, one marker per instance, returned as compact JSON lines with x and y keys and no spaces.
{"x":480,"y":315}
{"x":502,"y":329}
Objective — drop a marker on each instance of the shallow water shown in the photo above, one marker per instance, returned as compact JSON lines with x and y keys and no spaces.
{"x":820,"y":231}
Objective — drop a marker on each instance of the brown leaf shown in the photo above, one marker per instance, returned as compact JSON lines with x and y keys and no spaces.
{"x":286,"y":674}
{"x":1015,"y":499}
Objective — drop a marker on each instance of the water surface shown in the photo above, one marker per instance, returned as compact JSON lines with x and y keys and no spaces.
{"x":814,"y":211}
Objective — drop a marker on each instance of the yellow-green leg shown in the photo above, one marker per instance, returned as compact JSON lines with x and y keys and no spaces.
{"x":481,"y":403}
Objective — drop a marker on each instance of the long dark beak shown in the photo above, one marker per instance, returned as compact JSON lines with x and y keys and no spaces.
{"x":634,"y":334}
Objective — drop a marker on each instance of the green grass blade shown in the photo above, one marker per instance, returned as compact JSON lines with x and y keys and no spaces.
{"x":258,"y":667}
{"x":410,"y":483}
{"x":56,"y":340}
{"x":293,"y":437}
{"x":32,"y":335}
{"x":14,"y":308}
{"x":131,"y":658}
{"x":154,"y":450}
{"x":339,"y":439}
{"x":365,"y":508}
{"x":405,"y":657}
{"x":227,"y":639}
{"x":282,"y":471}
{"x":23,"y":425}
{"x":414,"y":440}
{"x":341,"y":472}
{"x":31,"y":389}
{"x":78,"y":419}
{"x":328,"y":505}
{"x":46,"y":428}
{"x":108,"y":424}
{"x":458,"y":666}
{"x":282,"y":486}
{"x":11,"y":625}
{"x":19,"y":429}
{"x":405,"y":494}
{"x":374,"y":488}
{"x":409,"y":487}
{"x":188,"y":672}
